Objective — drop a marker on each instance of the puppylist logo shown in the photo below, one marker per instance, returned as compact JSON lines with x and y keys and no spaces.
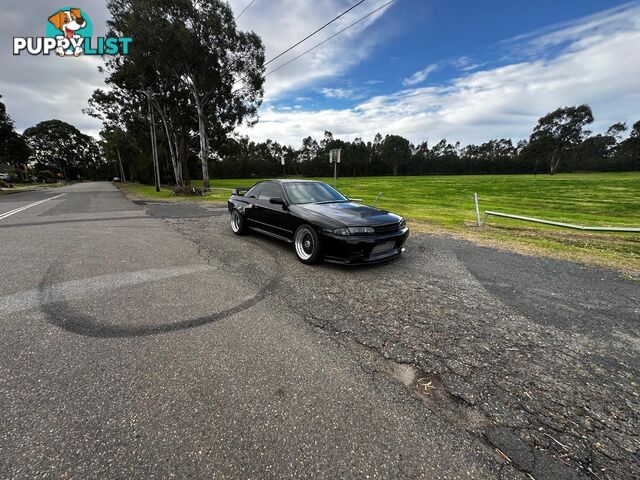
{"x":70,"y":33}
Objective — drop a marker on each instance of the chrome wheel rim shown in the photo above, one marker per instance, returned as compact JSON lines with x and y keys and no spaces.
{"x":235,"y":221}
{"x":304,"y":244}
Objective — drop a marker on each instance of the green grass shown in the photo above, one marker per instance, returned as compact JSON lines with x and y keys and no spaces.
{"x":590,"y":199}
{"x":23,"y":187}
{"x":446,"y":203}
{"x":138,"y":190}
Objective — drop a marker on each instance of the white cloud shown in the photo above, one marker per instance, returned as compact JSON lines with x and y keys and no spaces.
{"x":279,"y":31}
{"x":600,"y":66}
{"x":41,"y":88}
{"x":465,"y":64}
{"x":611,"y":21}
{"x":337,"y":92}
{"x":420,"y":76}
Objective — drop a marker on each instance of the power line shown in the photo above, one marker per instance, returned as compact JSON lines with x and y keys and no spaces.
{"x":312,"y":34}
{"x":245,"y":9}
{"x":330,"y":38}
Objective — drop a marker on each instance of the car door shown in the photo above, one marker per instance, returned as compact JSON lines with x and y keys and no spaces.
{"x":251,"y":196}
{"x":270,"y":217}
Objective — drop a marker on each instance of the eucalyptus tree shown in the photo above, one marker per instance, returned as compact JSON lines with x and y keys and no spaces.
{"x":6,"y":127}
{"x":139,"y":89}
{"x":562,"y":130}
{"x":396,"y":152}
{"x":192,"y":46}
{"x":13,"y":147}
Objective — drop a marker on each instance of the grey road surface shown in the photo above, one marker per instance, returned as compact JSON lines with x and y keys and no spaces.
{"x":538,"y":357}
{"x":145,"y":340}
{"x":128,"y":351}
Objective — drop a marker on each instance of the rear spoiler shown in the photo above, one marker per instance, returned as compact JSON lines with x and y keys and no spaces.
{"x":239,"y":191}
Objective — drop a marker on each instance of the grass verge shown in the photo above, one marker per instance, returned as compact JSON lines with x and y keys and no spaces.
{"x":29,"y":187}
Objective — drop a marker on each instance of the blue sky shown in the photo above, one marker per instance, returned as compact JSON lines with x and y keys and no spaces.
{"x":453,"y":35}
{"x":465,"y":70}
{"x":426,"y":69}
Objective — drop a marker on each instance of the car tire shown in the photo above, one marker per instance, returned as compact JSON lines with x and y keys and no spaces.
{"x":307,"y":245}
{"x":238,"y":223}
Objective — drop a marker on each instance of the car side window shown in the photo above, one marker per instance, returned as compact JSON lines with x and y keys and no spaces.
{"x":254,"y":191}
{"x":270,"y":190}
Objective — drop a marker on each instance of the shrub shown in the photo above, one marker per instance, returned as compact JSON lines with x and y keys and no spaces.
{"x":189,"y":192}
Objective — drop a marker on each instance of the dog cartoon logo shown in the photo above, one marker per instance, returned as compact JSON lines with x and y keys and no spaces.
{"x":69,"y":22}
{"x":69,"y":33}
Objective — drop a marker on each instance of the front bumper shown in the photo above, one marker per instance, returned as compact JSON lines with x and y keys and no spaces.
{"x":360,"y":249}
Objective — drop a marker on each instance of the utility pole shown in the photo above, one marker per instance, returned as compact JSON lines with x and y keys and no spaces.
{"x":120,"y":163}
{"x":154,"y":145}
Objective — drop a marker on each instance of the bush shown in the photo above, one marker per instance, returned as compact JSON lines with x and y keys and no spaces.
{"x":189,"y":192}
{"x":47,"y":176}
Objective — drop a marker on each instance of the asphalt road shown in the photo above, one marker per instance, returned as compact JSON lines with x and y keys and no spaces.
{"x":145,"y":340}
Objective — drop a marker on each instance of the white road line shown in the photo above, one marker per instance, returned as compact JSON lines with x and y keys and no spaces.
{"x":77,"y":289}
{"x":19,"y":209}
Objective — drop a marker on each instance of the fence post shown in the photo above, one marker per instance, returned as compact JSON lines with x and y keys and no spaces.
{"x":475,"y":204}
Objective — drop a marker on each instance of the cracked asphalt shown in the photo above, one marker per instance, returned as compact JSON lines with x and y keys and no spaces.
{"x":129,"y":351}
{"x":543,"y":354}
{"x":146,"y":340}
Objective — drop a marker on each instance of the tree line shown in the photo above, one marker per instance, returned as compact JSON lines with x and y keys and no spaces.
{"x":559,"y":143}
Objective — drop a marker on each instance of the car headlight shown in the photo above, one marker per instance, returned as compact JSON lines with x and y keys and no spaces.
{"x":353,"y":231}
{"x":361,"y":230}
{"x":403,"y":224}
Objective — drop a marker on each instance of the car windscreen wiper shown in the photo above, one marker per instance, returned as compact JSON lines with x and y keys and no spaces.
{"x":332,"y":201}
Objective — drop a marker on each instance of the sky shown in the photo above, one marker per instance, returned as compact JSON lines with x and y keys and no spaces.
{"x":467,"y":71}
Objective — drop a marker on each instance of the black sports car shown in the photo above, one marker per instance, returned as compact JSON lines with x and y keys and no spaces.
{"x":319,"y":221}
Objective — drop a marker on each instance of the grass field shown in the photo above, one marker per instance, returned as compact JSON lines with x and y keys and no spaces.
{"x":445,"y":203}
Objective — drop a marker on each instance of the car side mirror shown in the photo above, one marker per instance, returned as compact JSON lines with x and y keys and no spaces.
{"x":277,"y":201}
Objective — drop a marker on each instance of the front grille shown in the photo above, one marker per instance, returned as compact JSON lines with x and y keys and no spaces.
{"x":388,"y":228}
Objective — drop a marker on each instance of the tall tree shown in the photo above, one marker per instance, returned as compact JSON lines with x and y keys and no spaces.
{"x":562,"y":130}
{"x":13,"y":147}
{"x":6,"y":128}
{"x":395,"y":152}
{"x":80,"y":155}
{"x":628,"y":151}
{"x":193,"y":62}
{"x":617,"y":130}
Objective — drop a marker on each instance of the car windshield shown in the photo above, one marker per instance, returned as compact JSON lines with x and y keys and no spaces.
{"x":312,"y":192}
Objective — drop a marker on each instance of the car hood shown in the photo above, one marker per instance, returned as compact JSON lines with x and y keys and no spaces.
{"x":351,"y":214}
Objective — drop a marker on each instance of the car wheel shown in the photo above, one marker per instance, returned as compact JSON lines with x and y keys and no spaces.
{"x":307,"y":244}
{"x":238,"y":225}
